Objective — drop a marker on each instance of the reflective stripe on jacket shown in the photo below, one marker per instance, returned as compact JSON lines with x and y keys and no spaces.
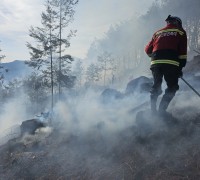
{"x":165,"y":61}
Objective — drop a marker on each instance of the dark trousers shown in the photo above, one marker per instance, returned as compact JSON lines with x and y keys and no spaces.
{"x":171,"y":75}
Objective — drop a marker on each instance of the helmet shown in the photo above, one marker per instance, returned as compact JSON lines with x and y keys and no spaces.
{"x":174,"y":20}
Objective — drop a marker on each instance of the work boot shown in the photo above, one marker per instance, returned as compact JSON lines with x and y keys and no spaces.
{"x":166,"y":99}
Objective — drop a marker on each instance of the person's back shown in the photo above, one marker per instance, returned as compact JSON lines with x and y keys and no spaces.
{"x":168,"y":52}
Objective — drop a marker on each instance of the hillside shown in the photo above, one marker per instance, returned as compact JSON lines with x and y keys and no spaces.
{"x":111,"y":138}
{"x":16,"y":69}
{"x":119,"y":139}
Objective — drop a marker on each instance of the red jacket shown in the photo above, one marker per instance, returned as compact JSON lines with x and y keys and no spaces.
{"x":168,"y":46}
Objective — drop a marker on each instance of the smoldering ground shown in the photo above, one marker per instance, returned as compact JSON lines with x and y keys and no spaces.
{"x":91,"y":139}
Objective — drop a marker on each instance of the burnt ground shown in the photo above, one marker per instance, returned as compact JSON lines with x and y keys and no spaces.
{"x":152,"y":148}
{"x":163,"y":148}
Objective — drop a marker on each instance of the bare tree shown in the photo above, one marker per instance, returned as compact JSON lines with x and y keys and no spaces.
{"x":78,"y":72}
{"x":93,"y":73}
{"x":107,"y":65}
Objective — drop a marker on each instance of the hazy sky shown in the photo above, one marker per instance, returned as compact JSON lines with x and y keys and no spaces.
{"x":92,"y":19}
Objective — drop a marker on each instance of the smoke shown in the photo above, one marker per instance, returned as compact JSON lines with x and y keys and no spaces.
{"x":12,"y":113}
{"x":126,"y":40}
{"x":40,"y":136}
{"x":91,"y":131}
{"x":87,"y":112}
{"x":186,"y":104}
{"x":93,"y":19}
{"x":95,"y":139}
{"x":101,"y":134}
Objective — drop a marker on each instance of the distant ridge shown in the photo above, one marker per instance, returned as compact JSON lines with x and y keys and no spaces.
{"x":16,"y":69}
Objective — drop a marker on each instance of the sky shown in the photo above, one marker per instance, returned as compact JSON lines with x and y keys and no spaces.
{"x":91,"y":20}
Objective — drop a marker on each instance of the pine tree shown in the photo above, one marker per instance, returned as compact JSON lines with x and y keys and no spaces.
{"x":49,"y":42}
{"x":42,"y":52}
{"x":65,"y":12}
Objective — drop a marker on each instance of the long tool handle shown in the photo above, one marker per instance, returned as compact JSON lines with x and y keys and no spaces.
{"x":190,"y":86}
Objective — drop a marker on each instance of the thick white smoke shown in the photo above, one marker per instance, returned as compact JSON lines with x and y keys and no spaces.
{"x":88,"y":113}
{"x":12,"y":114}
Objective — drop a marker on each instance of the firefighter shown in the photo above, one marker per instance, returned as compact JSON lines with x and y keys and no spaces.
{"x":168,"y":52}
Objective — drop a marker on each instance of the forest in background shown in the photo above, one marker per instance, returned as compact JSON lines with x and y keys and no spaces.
{"x":125,"y":42}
